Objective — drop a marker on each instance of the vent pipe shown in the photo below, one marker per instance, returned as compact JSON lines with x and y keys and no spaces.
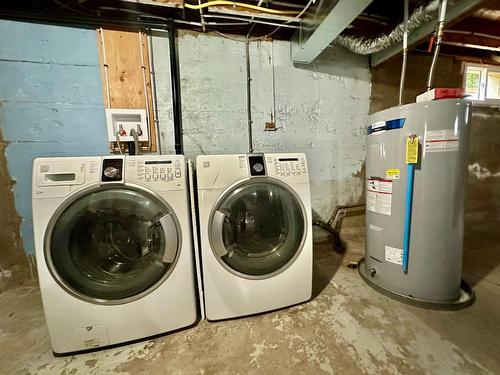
{"x":367,"y":46}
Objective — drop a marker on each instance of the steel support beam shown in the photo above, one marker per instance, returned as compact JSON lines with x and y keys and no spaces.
{"x":453,"y":14}
{"x":306,"y":49}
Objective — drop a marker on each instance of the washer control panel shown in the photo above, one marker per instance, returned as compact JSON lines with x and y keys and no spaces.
{"x":159,"y":170}
{"x":290,"y":166}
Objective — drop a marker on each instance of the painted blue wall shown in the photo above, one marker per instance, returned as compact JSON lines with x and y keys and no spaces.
{"x":50,"y":102}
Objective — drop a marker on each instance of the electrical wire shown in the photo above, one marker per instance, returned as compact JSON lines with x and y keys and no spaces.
{"x":202,"y":20}
{"x":146,"y":96}
{"x":154,"y":97}
{"x":237,"y":4}
{"x":106,"y":78}
{"x":143,"y":15}
{"x":249,"y":20}
{"x":264,"y":37}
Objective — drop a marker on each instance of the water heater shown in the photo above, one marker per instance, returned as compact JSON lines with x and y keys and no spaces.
{"x":415,"y":181}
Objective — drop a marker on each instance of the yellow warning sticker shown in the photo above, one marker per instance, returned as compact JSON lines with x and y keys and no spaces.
{"x":392,"y":174}
{"x":412,"y":150}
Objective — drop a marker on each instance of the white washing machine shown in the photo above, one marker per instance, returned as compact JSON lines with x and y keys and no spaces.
{"x":113,"y":247}
{"x":256,"y":232}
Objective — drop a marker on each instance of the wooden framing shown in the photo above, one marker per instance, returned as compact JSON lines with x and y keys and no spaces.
{"x":129,"y":82}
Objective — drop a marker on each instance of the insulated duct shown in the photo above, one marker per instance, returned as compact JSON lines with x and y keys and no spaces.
{"x":367,"y":46}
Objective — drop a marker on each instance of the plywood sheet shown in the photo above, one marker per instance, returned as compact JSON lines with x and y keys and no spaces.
{"x":128,"y":73}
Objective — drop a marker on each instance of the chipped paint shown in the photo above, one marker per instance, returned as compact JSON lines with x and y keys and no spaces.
{"x":481,"y":172}
{"x":312,"y":112}
{"x":52,"y":102}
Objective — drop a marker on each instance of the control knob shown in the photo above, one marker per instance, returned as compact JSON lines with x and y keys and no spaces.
{"x":257,"y":167}
{"x":111,"y":172}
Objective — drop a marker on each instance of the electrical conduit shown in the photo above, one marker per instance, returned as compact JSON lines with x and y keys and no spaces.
{"x":439,"y":37}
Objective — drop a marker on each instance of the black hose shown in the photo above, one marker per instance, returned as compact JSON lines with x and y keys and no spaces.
{"x":337,"y":242}
{"x":131,"y":148}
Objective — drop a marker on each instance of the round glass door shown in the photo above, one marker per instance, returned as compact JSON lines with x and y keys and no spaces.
{"x":112,"y":245}
{"x":258,"y":229}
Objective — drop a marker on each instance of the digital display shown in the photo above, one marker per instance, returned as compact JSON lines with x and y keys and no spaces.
{"x":289,"y":159}
{"x":158,"y":162}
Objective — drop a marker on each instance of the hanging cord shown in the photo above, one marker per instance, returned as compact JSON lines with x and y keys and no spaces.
{"x":249,"y":99}
{"x":156,"y":117}
{"x":405,"y":54}
{"x":145,"y":82}
{"x":105,"y":63}
{"x":439,"y":37}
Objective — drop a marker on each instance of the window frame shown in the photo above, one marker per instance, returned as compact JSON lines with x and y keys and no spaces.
{"x":483,"y":85}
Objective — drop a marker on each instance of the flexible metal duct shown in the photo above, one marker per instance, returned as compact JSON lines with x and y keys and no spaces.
{"x":366,"y":46}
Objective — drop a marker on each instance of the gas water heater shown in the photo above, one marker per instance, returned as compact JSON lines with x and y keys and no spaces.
{"x":416,"y":169}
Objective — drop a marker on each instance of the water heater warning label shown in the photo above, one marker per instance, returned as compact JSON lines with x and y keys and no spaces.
{"x":379,"y":196}
{"x":441,"y":140}
{"x":393,"y":255}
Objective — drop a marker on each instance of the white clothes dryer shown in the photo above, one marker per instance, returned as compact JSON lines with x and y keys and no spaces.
{"x":256,"y":232}
{"x":113,"y":247}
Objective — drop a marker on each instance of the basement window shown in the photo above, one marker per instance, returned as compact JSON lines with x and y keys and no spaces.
{"x":482,"y":83}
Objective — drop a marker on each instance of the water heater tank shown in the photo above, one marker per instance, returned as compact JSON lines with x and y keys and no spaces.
{"x":415,"y":208}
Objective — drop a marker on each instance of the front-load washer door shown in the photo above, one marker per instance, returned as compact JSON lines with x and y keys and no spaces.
{"x":258,"y":228}
{"x":112,"y":245}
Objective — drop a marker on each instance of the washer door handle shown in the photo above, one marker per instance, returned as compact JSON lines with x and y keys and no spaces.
{"x":217,"y":239}
{"x":171,"y":239}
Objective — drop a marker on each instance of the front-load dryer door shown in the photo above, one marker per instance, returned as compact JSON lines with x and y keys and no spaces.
{"x":112,"y":245}
{"x":258,"y":228}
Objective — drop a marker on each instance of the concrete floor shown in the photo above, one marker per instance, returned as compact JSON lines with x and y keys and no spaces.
{"x":346,"y":329}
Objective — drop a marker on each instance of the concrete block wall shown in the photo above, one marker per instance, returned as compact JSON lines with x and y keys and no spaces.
{"x":321,"y":109}
{"x":50,"y":103}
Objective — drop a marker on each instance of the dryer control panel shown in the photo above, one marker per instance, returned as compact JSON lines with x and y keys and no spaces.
{"x":290,"y":167}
